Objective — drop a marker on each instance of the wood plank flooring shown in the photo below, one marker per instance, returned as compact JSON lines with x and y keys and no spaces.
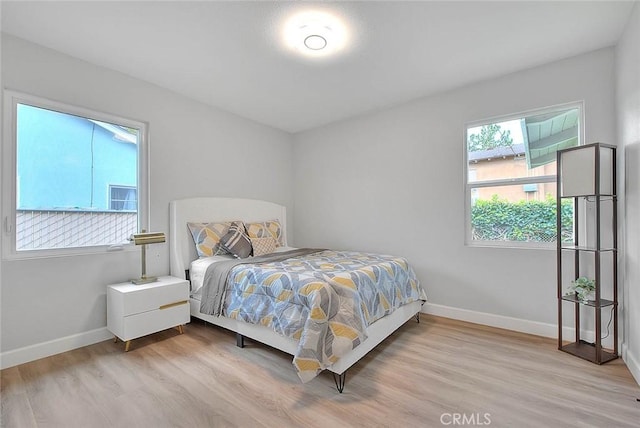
{"x":423,"y":375}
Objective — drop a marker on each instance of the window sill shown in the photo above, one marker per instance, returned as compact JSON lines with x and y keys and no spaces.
{"x":67,"y":252}
{"x":512,"y":245}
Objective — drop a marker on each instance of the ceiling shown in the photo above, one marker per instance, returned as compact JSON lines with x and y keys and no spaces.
{"x":231,"y":54}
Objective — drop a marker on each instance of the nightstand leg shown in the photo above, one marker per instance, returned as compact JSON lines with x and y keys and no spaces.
{"x":126,"y":346}
{"x":180,"y":329}
{"x":115,"y":339}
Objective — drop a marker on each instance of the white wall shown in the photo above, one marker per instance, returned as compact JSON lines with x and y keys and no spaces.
{"x":628,"y":113}
{"x":392,"y":182}
{"x":195,"y":150}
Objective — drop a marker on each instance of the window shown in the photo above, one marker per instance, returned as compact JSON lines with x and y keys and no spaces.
{"x":511,"y":176}
{"x":58,"y":181}
{"x":123,"y":198}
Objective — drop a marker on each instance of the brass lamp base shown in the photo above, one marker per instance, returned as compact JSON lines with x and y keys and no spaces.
{"x":144,"y":280}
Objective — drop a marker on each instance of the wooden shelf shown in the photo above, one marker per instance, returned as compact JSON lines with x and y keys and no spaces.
{"x":601,"y":195}
{"x":603,"y":302}
{"x":582,"y":248}
{"x":587,"y":351}
{"x":590,"y":190}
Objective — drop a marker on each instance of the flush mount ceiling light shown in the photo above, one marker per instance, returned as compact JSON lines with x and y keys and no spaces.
{"x":315,"y":42}
{"x":315,"y":33}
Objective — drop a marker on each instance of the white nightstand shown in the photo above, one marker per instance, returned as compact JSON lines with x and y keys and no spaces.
{"x":137,"y":310}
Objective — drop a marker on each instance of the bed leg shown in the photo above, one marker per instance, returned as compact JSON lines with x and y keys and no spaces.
{"x":239,"y":340}
{"x":339,"y":380}
{"x":418,"y":317}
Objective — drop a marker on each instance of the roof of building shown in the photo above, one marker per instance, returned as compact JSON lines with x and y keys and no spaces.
{"x":118,"y":132}
{"x":498,"y":152}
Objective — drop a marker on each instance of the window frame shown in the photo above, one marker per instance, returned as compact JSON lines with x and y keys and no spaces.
{"x":9,"y":169}
{"x":469,"y":241}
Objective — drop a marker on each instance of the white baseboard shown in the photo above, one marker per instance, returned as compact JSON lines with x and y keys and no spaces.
{"x":632,"y":361}
{"x":53,"y":347}
{"x":493,"y":320}
{"x":499,"y":321}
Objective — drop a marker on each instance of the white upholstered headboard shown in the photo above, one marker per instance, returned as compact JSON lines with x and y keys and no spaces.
{"x":203,"y":210}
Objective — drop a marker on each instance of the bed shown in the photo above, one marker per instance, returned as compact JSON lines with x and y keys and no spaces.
{"x":183,"y":253}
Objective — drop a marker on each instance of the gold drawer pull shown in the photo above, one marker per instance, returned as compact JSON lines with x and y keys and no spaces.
{"x":171,"y":305}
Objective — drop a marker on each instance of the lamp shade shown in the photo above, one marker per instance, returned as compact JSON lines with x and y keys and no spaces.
{"x":147,"y":238}
{"x":579,"y":174}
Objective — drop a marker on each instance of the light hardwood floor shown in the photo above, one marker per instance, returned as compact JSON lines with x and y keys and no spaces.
{"x":422,"y":375}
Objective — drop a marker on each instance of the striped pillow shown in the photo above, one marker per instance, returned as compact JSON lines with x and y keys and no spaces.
{"x":236,"y":241}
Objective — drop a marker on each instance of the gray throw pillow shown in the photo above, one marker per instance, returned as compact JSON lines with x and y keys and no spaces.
{"x":236,"y":241}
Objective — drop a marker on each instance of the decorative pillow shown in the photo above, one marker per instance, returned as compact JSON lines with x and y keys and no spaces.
{"x":207,"y":237}
{"x":266,"y":229}
{"x":236,"y":241}
{"x":263,"y":245}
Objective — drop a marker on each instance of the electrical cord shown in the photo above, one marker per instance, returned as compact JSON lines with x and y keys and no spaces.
{"x":609,"y":323}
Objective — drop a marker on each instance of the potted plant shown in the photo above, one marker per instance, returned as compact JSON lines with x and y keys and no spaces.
{"x":583,"y":288}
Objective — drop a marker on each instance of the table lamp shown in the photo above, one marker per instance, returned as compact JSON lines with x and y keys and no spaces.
{"x":143,"y":238}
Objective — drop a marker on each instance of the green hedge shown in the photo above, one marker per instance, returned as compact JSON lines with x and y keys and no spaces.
{"x":500,"y":220}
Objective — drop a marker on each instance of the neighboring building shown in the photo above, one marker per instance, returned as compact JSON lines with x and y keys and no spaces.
{"x":76,"y":180}
{"x":543,"y":133}
{"x":503,"y":162}
{"x":69,"y":162}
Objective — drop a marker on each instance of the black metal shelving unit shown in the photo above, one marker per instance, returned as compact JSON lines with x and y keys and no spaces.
{"x":597,"y":157}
